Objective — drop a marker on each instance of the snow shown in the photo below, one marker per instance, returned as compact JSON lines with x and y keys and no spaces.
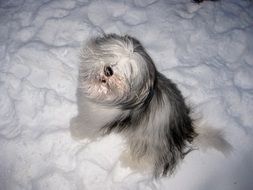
{"x":207,"y":49}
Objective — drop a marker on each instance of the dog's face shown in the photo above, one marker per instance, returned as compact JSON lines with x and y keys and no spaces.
{"x":113,"y":72}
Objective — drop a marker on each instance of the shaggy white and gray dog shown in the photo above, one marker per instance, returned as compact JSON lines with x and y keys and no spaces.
{"x":120,"y":90}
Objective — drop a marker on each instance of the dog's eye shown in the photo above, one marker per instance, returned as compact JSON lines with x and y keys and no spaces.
{"x":108,"y":71}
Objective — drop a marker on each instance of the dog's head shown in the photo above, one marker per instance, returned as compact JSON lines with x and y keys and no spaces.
{"x":116,"y":70}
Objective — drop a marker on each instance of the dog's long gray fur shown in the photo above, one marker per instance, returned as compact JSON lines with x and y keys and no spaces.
{"x":146,"y":108}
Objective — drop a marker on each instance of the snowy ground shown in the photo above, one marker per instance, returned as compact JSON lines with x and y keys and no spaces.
{"x":207,"y":49}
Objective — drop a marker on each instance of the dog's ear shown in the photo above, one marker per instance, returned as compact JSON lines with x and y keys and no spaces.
{"x":170,"y":116}
{"x":118,"y":124}
{"x":178,"y":124}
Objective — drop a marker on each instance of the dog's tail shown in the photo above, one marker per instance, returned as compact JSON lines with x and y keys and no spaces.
{"x":209,"y":137}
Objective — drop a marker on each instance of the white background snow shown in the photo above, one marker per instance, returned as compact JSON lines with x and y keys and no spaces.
{"x":207,"y":49}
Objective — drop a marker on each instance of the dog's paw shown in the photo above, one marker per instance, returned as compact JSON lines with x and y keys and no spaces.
{"x":142,"y":165}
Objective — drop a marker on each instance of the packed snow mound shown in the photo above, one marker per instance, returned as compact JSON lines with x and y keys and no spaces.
{"x":206,"y":48}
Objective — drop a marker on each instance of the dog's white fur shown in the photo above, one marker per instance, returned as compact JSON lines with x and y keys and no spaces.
{"x":120,"y":90}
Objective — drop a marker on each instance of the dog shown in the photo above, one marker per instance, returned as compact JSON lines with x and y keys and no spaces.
{"x":121,"y":91}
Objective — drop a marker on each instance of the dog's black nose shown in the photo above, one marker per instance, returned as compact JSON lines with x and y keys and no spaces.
{"x":108,"y":71}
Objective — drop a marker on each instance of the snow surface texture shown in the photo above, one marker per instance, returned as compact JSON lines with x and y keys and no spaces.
{"x":207,"y":49}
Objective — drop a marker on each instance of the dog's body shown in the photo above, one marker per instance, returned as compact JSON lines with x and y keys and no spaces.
{"x":121,"y":91}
